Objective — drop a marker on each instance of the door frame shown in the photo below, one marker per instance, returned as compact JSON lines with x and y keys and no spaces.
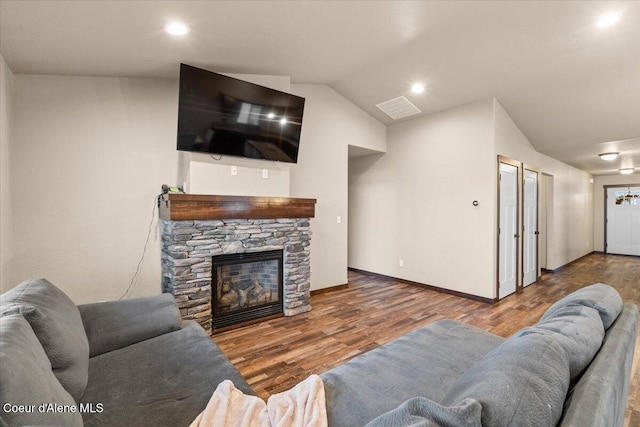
{"x":518,"y":166}
{"x":606,"y":210}
{"x":547,"y":212}
{"x":526,"y":167}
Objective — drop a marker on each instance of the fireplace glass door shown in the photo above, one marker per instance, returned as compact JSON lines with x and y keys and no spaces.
{"x":246,"y":287}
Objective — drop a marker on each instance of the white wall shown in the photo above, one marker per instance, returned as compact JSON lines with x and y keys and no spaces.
{"x":331,"y":123}
{"x":573,"y":213}
{"x":90,"y":155}
{"x":598,"y":203}
{"x":6,"y":206}
{"x":209,"y":178}
{"x":572,"y":223}
{"x":415,"y":202}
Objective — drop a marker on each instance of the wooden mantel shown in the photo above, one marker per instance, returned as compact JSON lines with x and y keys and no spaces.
{"x":184,"y":207}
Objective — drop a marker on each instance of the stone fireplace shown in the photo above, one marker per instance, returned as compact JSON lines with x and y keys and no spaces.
{"x":220,"y":253}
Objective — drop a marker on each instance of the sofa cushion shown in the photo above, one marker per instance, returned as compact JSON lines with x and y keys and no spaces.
{"x":56,"y":321}
{"x":522,"y":382}
{"x":26,"y":378}
{"x":422,"y":412}
{"x":425,"y":362}
{"x":162,"y":381}
{"x":579,"y":331}
{"x":115,"y":324}
{"x":599,"y":296}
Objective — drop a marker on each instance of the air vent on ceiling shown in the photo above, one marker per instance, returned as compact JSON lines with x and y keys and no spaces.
{"x":398,"y":108}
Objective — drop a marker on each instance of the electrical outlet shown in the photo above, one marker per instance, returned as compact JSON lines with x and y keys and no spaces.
{"x":338,"y":219}
{"x":265,"y":173}
{"x":401,"y":263}
{"x":234,"y":170}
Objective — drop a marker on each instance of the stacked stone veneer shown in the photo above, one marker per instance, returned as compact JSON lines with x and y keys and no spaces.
{"x":188,"y":248}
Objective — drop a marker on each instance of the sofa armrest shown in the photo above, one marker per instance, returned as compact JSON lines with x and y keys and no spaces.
{"x":600,"y":397}
{"x":117,"y":324}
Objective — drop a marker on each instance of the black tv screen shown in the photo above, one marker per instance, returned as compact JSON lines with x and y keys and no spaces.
{"x":221,"y":115}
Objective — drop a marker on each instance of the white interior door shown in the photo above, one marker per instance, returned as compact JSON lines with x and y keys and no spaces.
{"x":508,"y":240}
{"x":530,"y":228}
{"x":623,"y":220}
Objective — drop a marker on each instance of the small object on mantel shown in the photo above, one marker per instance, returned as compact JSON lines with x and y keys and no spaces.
{"x":184,"y":207}
{"x":167,"y":189}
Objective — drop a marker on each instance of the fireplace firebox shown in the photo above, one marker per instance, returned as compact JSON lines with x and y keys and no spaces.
{"x":245,"y":287}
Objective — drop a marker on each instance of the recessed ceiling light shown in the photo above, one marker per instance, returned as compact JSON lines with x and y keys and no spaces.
{"x":608,"y":19}
{"x":626,"y":171}
{"x":417,"y":88}
{"x":283,"y":121}
{"x":176,"y":29}
{"x":608,"y":156}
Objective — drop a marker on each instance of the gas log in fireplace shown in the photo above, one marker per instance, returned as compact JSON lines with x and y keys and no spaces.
{"x":245,"y":287}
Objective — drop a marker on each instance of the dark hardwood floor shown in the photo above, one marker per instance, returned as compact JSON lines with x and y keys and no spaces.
{"x":275,"y":355}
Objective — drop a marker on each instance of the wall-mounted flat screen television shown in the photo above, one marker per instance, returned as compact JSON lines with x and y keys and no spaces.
{"x":221,"y":115}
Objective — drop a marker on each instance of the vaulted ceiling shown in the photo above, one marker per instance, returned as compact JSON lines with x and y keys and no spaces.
{"x":573,"y":88}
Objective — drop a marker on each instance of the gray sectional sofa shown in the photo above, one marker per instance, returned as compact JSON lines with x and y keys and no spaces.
{"x":572,"y":368}
{"x":121,"y":363}
{"x":134,"y":363}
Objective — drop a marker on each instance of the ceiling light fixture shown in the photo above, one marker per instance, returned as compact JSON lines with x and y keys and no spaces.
{"x":608,"y":19}
{"x":608,"y":156}
{"x":176,"y":29}
{"x":626,"y":171}
{"x":417,"y":88}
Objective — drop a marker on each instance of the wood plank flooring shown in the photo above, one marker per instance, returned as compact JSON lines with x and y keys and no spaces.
{"x":277,"y":354}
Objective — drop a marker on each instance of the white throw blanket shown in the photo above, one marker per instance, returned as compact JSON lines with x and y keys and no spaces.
{"x":302,"y":406}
